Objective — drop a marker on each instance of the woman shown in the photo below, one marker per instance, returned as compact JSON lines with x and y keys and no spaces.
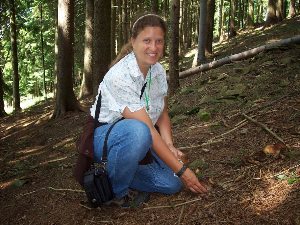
{"x":135,"y":88}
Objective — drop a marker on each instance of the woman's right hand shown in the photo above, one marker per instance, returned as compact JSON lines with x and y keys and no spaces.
{"x":191,"y":182}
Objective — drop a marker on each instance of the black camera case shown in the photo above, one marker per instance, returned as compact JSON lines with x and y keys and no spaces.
{"x":97,"y":187}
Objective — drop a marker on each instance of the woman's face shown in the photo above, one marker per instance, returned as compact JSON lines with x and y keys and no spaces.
{"x":148,"y":47}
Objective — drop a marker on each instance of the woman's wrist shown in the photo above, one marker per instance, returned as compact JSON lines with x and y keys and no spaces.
{"x":182,"y":170}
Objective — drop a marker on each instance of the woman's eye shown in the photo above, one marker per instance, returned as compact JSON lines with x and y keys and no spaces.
{"x":146,"y":41}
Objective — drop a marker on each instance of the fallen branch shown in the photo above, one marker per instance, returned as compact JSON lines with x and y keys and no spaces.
{"x":264,"y":127}
{"x":181,"y":213}
{"x":286,"y":170}
{"x":173,"y":206}
{"x":65,"y":189}
{"x":219,"y":137}
{"x":236,"y":57}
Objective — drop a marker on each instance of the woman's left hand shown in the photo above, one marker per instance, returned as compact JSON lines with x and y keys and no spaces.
{"x":178,"y":154}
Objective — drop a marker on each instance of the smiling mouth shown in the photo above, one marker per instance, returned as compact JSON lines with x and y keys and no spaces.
{"x":152,"y":54}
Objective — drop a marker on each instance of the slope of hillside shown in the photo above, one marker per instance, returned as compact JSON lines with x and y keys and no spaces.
{"x":223,"y":120}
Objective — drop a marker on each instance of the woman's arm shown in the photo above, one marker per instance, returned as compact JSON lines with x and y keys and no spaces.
{"x":165,"y":130}
{"x":162,"y":150}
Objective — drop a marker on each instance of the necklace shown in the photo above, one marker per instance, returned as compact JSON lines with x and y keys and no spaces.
{"x":147,"y":91}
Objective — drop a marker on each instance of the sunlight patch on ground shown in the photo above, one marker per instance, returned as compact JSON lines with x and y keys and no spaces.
{"x":26,"y":102}
{"x":271,"y":197}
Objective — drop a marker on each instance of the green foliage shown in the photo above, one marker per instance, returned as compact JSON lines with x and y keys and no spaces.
{"x":204,"y":115}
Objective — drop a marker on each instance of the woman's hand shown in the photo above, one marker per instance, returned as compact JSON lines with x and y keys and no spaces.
{"x":178,"y":154}
{"x":191,"y":182}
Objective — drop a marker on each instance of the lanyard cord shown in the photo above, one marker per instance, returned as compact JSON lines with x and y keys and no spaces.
{"x":147,"y":93}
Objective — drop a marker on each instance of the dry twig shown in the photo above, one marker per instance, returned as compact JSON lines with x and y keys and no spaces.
{"x":65,"y":189}
{"x":173,"y":206}
{"x":264,"y":127}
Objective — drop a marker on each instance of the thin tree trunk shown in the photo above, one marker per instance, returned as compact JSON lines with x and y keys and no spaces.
{"x":125,"y":21}
{"x":155,"y":6}
{"x":2,"y":111}
{"x":232,"y":31}
{"x":101,"y":41}
{"x":292,"y":10}
{"x":86,"y":88}
{"x":271,"y":13}
{"x":42,"y":48}
{"x":279,"y":10}
{"x":113,"y":29}
{"x":243,"y":55}
{"x":210,"y":26}
{"x":174,"y":47}
{"x":202,"y":32}
{"x":250,"y":18}
{"x":14,"y":48}
{"x":221,"y":21}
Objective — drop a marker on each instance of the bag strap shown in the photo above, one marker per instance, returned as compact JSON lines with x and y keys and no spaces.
{"x":97,"y":123}
{"x":97,"y":111}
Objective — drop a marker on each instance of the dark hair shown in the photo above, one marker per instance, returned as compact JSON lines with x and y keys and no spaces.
{"x":147,"y":20}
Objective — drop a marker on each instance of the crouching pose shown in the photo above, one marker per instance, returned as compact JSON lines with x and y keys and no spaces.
{"x":135,"y":89}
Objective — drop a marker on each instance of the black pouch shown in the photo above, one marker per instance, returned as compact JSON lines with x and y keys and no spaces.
{"x":97,"y":186}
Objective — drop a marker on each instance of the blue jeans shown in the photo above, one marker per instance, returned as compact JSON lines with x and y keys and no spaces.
{"x":128,"y":143}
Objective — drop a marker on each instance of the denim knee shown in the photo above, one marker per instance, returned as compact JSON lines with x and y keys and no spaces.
{"x":139,"y":132}
{"x":174,"y":186}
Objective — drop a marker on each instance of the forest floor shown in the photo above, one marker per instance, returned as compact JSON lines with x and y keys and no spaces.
{"x":211,"y":121}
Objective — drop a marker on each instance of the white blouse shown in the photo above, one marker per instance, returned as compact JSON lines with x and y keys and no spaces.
{"x":122,"y":85}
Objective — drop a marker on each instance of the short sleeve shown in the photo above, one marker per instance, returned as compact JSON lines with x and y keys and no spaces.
{"x":121,"y":93}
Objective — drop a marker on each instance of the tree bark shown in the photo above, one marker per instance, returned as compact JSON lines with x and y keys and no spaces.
{"x":292,"y":10}
{"x":42,"y":50}
{"x":102,"y":41}
{"x":2,"y":111}
{"x":221,"y":21}
{"x":250,"y":17}
{"x":87,"y":79}
{"x":279,"y":10}
{"x":210,"y":26}
{"x":271,"y":13}
{"x":113,"y":29}
{"x":155,"y":6}
{"x":65,"y":97}
{"x":237,"y":57}
{"x":174,"y":47}
{"x":202,"y":32}
{"x":14,"y":58}
{"x":232,"y":31}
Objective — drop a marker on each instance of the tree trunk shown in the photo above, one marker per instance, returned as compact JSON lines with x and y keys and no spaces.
{"x":42,"y":52}
{"x":271,"y":13}
{"x":102,"y":41}
{"x":243,"y":55}
{"x":221,"y":21}
{"x":87,"y":79}
{"x":113,"y":29}
{"x":65,"y":97}
{"x":279,"y":10}
{"x":292,"y":10}
{"x":2,"y":111}
{"x":155,"y":6}
{"x":14,"y":58}
{"x":174,"y":47}
{"x":202,"y":32}
{"x":250,"y":17}
{"x":210,"y":26}
{"x":232,"y":31}
{"x":125,"y":21}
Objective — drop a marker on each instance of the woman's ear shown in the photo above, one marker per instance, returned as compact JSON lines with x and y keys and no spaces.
{"x":132,"y":41}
